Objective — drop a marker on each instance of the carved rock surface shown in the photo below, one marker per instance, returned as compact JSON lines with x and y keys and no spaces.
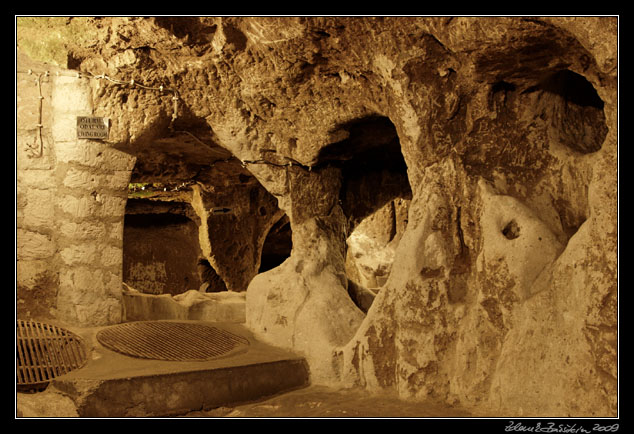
{"x":502,"y":131}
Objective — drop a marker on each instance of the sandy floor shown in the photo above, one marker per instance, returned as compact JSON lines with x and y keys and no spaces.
{"x":322,"y":402}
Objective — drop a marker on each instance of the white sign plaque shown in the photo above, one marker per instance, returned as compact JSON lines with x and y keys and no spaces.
{"x":91,"y":127}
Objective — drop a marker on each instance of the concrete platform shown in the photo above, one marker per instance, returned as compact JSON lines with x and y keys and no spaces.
{"x":114,"y":385}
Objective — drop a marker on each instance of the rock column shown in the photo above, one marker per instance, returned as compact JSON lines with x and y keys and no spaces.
{"x":303,"y":304}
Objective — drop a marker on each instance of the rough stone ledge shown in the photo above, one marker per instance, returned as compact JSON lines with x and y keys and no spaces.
{"x":191,"y":305}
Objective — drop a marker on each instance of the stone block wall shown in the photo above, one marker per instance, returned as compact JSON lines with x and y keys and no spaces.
{"x":70,"y":208}
{"x":92,"y":182}
{"x":35,"y":196}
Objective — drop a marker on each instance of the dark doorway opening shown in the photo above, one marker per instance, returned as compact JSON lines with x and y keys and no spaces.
{"x":277,"y":245}
{"x":160,"y":247}
{"x":375,"y":194}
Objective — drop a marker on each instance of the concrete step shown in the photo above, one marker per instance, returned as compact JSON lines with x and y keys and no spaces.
{"x":115,"y":385}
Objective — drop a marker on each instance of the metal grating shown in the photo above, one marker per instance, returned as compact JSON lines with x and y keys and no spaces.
{"x":43,"y":352}
{"x":173,"y":341}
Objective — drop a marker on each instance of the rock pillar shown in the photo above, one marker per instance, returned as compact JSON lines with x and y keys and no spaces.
{"x":303,"y":304}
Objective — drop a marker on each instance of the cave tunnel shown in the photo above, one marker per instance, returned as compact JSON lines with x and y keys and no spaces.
{"x":375,"y":195}
{"x":162,"y":246}
{"x":189,"y":203}
{"x":575,"y":110}
{"x":424,"y":350}
{"x":161,"y":240}
{"x":373,"y":169}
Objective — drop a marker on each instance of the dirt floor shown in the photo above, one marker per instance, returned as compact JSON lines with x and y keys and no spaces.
{"x":309,"y":402}
{"x":323,"y":402}
{"x":314,"y":401}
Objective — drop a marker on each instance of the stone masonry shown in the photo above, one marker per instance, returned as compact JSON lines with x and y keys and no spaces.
{"x":71,"y":203}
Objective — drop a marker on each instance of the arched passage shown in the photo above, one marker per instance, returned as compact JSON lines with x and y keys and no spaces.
{"x":375,"y":193}
{"x":194,"y":211}
{"x":575,"y":111}
{"x":277,"y":245}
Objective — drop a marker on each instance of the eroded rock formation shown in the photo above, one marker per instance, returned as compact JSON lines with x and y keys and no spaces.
{"x":502,"y":132}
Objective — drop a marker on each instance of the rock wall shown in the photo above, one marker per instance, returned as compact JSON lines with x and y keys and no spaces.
{"x":161,"y":247}
{"x":503,"y":289}
{"x":371,"y":245}
{"x":234,"y":240}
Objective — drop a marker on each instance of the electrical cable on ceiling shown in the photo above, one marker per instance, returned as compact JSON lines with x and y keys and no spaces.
{"x":133,"y":83}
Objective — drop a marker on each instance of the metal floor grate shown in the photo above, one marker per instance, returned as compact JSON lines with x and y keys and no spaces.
{"x":43,"y":352}
{"x":173,"y":341}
